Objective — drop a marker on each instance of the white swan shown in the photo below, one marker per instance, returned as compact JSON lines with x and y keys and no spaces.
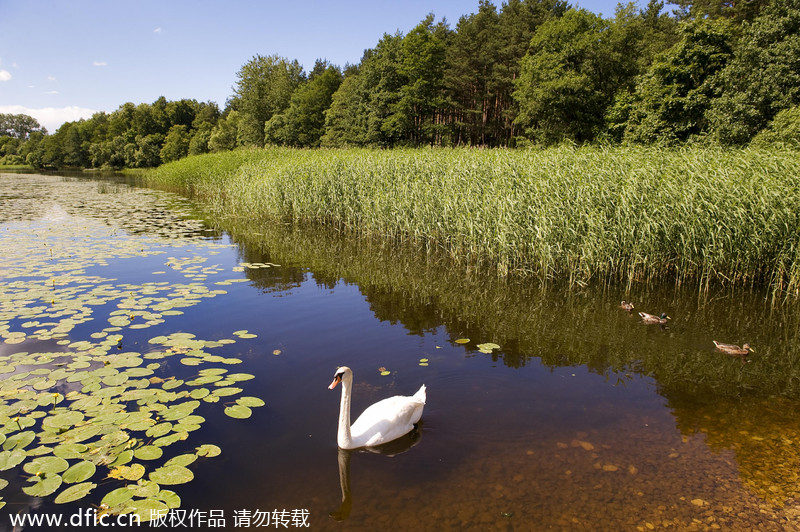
{"x":382,"y":422}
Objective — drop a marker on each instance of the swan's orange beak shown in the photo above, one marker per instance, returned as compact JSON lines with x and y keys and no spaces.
{"x":336,"y":380}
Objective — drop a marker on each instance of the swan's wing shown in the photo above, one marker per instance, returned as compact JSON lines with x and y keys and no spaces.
{"x":388,"y":419}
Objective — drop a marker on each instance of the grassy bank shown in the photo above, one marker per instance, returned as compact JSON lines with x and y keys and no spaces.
{"x":16,"y":168}
{"x":626,"y":214}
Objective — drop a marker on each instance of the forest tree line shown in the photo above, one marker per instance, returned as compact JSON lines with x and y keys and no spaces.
{"x":531,"y":72}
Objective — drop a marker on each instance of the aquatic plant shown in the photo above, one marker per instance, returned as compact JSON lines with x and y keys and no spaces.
{"x":705,"y":215}
{"x":76,"y":404}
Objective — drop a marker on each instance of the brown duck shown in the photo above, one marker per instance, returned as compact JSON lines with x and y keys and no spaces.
{"x":652,"y":318}
{"x":627,"y":305}
{"x":735,"y":350}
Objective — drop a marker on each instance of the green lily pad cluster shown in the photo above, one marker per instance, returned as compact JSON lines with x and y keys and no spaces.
{"x":488,"y":347}
{"x":77,"y":409}
{"x":118,"y":417}
{"x":257,"y":265}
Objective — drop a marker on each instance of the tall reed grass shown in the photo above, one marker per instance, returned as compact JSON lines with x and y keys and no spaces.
{"x":624,"y":213}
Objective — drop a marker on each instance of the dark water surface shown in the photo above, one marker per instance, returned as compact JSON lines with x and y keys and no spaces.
{"x":584,"y":419}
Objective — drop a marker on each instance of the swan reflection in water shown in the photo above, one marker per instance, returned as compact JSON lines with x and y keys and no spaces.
{"x":390,"y":450}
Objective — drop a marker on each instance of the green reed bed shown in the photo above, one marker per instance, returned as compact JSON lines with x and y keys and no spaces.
{"x":623,"y":213}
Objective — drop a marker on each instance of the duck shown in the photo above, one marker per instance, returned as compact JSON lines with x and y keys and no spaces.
{"x":627,"y":305}
{"x":652,"y":318}
{"x":732,"y":349}
{"x":381,"y":422}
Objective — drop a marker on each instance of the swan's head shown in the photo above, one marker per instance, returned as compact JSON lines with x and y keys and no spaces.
{"x":341,"y":373}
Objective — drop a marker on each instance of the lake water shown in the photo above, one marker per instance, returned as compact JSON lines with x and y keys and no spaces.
{"x":583,"y":417}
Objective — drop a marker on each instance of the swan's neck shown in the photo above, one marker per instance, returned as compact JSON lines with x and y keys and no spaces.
{"x":344,"y":439}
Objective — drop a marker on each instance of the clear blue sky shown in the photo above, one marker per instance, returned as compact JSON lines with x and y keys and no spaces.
{"x":61,"y":60}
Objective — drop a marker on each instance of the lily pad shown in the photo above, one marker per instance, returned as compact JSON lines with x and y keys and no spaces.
{"x":236,"y":377}
{"x":43,"y":486}
{"x":144,"y":488}
{"x":199,"y":393}
{"x":172,"y":384}
{"x":238,"y":411}
{"x":79,"y":472}
{"x":250,"y":402}
{"x":115,"y":380}
{"x":70,"y":450}
{"x":167,"y":440}
{"x":170,"y":475}
{"x":182,"y":460}
{"x":46,"y":464}
{"x":82,"y":433}
{"x":148,"y":452}
{"x":19,"y":440}
{"x":487,"y":347}
{"x":9,"y":459}
{"x":39,"y":451}
{"x":225,"y":392}
{"x":170,"y":498}
{"x":122,"y":458}
{"x":133,"y":472}
{"x":148,"y":509}
{"x":208,"y":450}
{"x":76,"y":492}
{"x":117,"y":497}
{"x":212,"y":372}
{"x":205,"y":379}
{"x":192,"y":420}
{"x":159,"y":430}
{"x":63,"y":420}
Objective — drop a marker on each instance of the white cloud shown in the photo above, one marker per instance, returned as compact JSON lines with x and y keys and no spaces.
{"x":158,"y":30}
{"x":99,"y":63}
{"x":5,"y":75}
{"x":50,"y":92}
{"x":50,"y":117}
{"x":51,"y":78}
